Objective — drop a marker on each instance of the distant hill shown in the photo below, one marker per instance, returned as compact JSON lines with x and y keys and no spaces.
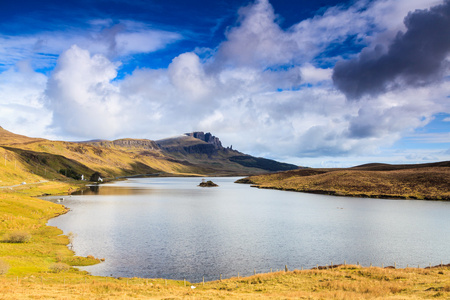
{"x":262,"y":163}
{"x":414,"y":181}
{"x":389,"y":167}
{"x":9,"y":138}
{"x":206,"y":150}
{"x":31,"y":159}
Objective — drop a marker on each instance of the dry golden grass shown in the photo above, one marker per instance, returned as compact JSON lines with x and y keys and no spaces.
{"x":9,"y":138}
{"x":349,"y":282}
{"x":30,"y":160}
{"x":416,"y":183}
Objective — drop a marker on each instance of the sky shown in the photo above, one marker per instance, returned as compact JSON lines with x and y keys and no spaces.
{"x":317,"y":83}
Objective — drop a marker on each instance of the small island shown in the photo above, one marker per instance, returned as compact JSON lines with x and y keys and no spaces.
{"x":208,"y":183}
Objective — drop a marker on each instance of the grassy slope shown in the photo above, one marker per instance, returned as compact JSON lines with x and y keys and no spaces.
{"x":430,"y":181}
{"x":19,"y":211}
{"x":122,"y":157}
{"x":25,"y":156}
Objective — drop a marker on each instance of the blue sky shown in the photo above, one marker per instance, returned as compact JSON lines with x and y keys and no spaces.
{"x":317,"y":83}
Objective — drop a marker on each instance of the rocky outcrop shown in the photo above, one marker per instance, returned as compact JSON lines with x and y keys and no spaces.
{"x":127,"y":143}
{"x":206,"y":137}
{"x":136,"y":143}
{"x":208,"y":183}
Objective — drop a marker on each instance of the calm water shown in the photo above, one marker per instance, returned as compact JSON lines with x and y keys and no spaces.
{"x":170,"y":228}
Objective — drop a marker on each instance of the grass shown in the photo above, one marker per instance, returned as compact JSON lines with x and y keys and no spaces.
{"x":431,"y":183}
{"x":30,"y":245}
{"x":41,"y":269}
{"x":31,"y":160}
{"x":344,"y":282}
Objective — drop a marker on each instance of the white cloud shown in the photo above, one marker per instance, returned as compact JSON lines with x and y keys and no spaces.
{"x":261,"y":89}
{"x":103,"y":37}
{"x":258,"y":41}
{"x":80,"y":94}
{"x":187,"y":75}
{"x":312,"y":74}
{"x":21,"y":104}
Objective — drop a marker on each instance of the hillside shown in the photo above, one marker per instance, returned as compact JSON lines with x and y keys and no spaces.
{"x":206,"y":150}
{"x":33,"y":159}
{"x":9,"y":138}
{"x":421,"y":181}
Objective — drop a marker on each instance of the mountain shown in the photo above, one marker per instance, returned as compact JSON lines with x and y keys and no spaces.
{"x":206,"y":150}
{"x":31,"y":159}
{"x":194,"y":143}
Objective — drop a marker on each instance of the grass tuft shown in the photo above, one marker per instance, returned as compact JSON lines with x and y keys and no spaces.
{"x":59,"y":267}
{"x":17,"y":236}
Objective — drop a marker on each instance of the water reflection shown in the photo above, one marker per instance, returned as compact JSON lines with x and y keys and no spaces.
{"x":112,"y":190}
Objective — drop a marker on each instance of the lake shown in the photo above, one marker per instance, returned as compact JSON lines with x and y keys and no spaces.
{"x":171,"y":228}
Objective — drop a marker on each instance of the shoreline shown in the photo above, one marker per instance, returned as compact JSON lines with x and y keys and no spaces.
{"x":340,"y":194}
{"x":347,"y":281}
{"x":248,"y":272}
{"x":429,"y":184}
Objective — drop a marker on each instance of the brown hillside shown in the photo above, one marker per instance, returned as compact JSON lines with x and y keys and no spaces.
{"x":424,"y":181}
{"x":388,"y":167}
{"x":9,"y":138}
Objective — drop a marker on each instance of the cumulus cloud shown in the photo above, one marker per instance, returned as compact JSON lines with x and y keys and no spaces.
{"x":80,"y":89}
{"x":257,"y":40}
{"x":21,"y":100}
{"x":417,"y":56}
{"x":265,"y":89}
{"x":187,"y":75}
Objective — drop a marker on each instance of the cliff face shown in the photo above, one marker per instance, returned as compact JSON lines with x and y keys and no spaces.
{"x":127,"y":143}
{"x":136,"y":143}
{"x":206,"y":137}
{"x":194,"y":146}
{"x":194,"y":143}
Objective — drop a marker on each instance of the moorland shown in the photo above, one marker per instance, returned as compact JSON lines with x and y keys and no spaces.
{"x":415,"y":181}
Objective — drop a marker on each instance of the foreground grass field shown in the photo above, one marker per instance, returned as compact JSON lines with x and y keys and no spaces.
{"x":349,"y":282}
{"x":39,"y":265}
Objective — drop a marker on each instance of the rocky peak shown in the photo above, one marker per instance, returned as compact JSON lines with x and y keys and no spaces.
{"x":206,"y":137}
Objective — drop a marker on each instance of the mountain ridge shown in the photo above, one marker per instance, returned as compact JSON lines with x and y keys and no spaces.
{"x":180,"y":156}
